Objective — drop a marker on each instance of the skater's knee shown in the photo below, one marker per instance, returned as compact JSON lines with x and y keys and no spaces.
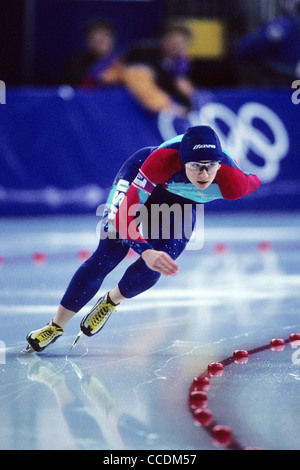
{"x":137,"y":279}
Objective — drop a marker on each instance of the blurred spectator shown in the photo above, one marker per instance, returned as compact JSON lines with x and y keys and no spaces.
{"x":154,"y":74}
{"x":157,"y":71}
{"x":98,"y":63}
{"x":271,"y":54}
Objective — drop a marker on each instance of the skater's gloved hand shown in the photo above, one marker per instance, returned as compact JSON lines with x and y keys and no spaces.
{"x":161,"y":262}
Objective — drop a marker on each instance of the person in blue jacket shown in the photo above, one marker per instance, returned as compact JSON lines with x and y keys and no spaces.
{"x":274,"y":48}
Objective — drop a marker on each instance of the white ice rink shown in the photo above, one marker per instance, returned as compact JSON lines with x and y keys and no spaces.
{"x":129,"y":386}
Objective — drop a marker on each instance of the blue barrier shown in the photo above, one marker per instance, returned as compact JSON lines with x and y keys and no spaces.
{"x":61,"y":148}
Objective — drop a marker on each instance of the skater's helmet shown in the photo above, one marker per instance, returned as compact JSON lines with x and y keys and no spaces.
{"x":200,"y":143}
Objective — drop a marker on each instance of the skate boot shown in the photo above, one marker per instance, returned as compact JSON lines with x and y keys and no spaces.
{"x":98,"y":316}
{"x":40,"y":339}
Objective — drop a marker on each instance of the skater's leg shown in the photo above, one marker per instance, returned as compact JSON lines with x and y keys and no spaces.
{"x":88,"y":278}
{"x":116,"y":296}
{"x":138,"y":277}
{"x":63,"y":315}
{"x":83,"y":286}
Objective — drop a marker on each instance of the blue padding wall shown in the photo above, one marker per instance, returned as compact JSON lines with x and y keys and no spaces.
{"x":61,"y":148}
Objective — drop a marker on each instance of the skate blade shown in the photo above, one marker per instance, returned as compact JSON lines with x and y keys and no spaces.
{"x":29,"y":349}
{"x":76,"y":340}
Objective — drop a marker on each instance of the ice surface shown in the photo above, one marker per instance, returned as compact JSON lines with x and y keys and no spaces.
{"x":128,"y":387}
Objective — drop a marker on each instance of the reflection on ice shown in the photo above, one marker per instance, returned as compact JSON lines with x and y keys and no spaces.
{"x":90,"y":413}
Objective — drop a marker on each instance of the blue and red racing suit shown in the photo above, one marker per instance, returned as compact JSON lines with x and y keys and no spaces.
{"x":151,"y":177}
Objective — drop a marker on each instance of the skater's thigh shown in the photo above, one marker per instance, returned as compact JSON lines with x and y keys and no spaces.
{"x":174,"y":247}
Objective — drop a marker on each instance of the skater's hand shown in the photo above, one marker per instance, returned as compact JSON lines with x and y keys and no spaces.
{"x":161,"y":262}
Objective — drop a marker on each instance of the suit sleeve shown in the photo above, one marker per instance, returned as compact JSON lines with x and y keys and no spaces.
{"x":234,"y":183}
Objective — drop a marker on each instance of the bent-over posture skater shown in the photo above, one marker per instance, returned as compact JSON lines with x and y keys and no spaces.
{"x":190,"y":169}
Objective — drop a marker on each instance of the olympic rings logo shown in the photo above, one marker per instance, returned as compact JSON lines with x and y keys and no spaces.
{"x":255,"y":136}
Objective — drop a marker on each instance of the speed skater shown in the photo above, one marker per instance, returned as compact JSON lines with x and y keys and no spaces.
{"x":189,"y":170}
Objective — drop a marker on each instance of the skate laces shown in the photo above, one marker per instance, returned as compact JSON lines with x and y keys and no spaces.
{"x":48,"y":333}
{"x":99,"y":315}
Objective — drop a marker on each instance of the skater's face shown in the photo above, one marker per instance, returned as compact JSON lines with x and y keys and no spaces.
{"x":202,"y":174}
